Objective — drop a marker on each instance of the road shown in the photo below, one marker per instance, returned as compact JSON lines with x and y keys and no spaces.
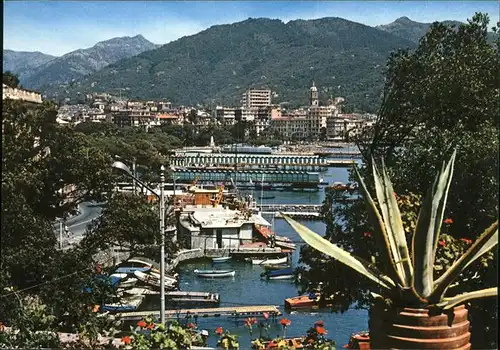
{"x":77,"y":224}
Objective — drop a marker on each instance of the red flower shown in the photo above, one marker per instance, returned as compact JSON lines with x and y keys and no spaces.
{"x":142,"y":324}
{"x":442,"y":243}
{"x":150,"y":326}
{"x":367,"y":234}
{"x":219,"y":330}
{"x":266,"y":315}
{"x":448,"y":221}
{"x":285,"y":322}
{"x":126,"y":339}
{"x":468,"y":241}
{"x":320,"y":323}
{"x":321,"y":330}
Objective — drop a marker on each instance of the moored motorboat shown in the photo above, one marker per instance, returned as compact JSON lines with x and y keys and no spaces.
{"x":125,"y":304}
{"x":214,"y":273}
{"x":153,"y":280}
{"x":360,"y":340}
{"x":221,"y":259}
{"x":275,"y":267}
{"x":310,"y":300}
{"x":276,"y":261}
{"x":282,"y":274}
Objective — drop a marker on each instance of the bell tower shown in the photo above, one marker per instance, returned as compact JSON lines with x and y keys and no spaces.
{"x":313,"y":95}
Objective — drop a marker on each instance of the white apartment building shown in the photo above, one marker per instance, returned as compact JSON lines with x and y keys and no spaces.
{"x":256,"y":98}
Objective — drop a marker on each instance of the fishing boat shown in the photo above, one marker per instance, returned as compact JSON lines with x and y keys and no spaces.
{"x":276,"y":261}
{"x":310,"y":300}
{"x":125,"y":304}
{"x":221,"y":259}
{"x":214,"y":273}
{"x":153,"y":280}
{"x":282,"y":274}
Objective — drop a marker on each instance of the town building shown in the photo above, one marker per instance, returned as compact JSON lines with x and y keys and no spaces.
{"x":256,"y":98}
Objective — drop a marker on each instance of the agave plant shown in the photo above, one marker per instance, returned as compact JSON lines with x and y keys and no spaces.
{"x":408,"y":280}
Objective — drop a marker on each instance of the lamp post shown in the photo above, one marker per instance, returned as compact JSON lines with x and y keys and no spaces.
{"x":161,"y":197}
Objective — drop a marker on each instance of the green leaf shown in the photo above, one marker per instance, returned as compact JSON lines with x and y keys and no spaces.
{"x":330,"y":249}
{"x":428,"y":229}
{"x":381,"y":239}
{"x":487,"y":240}
{"x":393,"y":226}
{"x":458,"y":299}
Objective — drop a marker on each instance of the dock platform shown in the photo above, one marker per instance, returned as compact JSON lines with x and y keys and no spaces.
{"x":241,"y":311}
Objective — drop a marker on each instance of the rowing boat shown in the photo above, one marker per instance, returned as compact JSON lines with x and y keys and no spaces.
{"x":277,"y":261}
{"x":214,"y":273}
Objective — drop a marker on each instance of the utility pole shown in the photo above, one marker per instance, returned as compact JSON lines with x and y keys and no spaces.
{"x":162,"y":249}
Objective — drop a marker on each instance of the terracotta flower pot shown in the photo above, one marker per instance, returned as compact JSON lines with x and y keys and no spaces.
{"x":407,"y":328}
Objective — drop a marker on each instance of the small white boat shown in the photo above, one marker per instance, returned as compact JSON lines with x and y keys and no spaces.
{"x":125,"y":304}
{"x":129,"y":282}
{"x":270,"y":261}
{"x":152,"y":280}
{"x":214,"y":273}
{"x":221,"y":259}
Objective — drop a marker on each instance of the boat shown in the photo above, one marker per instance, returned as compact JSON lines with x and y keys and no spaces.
{"x":310,"y":300}
{"x":360,"y":340}
{"x":276,"y":261}
{"x":214,"y":273}
{"x":125,"y":304}
{"x":282,"y":274}
{"x":267,"y":197}
{"x":275,"y":267}
{"x":129,"y":282}
{"x":221,"y":259}
{"x":153,"y":280}
{"x":168,"y":279}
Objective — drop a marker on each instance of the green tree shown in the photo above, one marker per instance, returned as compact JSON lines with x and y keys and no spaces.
{"x":11,"y":80}
{"x":442,"y":95}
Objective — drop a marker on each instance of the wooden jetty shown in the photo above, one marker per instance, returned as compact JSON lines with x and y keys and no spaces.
{"x":241,"y":311}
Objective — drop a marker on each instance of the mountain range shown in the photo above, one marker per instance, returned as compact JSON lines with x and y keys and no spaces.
{"x":215,"y":66}
{"x":40,"y":71}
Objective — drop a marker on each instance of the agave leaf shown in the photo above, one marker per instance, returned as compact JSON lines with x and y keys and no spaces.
{"x":487,"y":240}
{"x":382,"y":238}
{"x":427,"y":230}
{"x":328,"y":248}
{"x":449,"y":303}
{"x":398,"y":230}
{"x":390,"y":222}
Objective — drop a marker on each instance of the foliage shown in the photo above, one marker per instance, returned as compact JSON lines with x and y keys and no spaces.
{"x":285,"y":57}
{"x":124,"y":216}
{"x":10,"y":79}
{"x":150,"y":335}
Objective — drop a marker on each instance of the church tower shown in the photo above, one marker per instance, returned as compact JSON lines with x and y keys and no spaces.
{"x":313,"y":95}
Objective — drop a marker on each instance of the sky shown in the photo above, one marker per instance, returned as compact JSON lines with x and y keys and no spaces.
{"x":58,"y":27}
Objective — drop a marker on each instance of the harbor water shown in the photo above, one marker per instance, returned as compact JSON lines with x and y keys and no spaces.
{"x":247,"y":288}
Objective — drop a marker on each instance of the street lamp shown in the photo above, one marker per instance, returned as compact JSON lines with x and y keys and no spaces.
{"x":161,"y":197}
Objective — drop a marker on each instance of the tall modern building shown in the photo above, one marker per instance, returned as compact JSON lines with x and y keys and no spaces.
{"x":256,"y":98}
